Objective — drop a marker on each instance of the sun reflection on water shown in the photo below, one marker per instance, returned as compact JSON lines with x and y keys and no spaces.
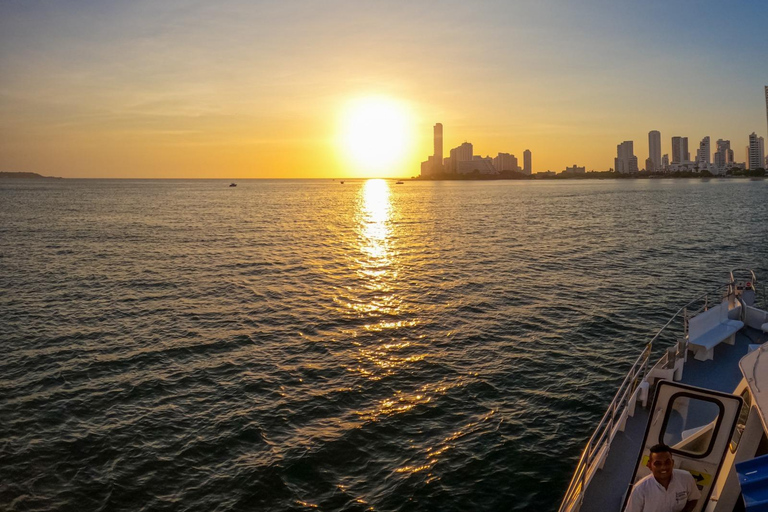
{"x":387,"y":343}
{"x":375,"y":212}
{"x":379,"y":298}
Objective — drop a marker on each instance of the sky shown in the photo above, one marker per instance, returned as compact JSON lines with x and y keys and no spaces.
{"x":259,"y":89}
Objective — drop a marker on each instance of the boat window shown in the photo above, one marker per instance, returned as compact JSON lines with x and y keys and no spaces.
{"x":741,"y":423}
{"x":691,"y":424}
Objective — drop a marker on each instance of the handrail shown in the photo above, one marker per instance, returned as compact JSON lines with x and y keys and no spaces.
{"x":749,"y":270}
{"x":753,"y":280}
{"x":602,"y":435}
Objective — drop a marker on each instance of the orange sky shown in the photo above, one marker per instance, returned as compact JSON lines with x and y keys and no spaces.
{"x":258,"y":89}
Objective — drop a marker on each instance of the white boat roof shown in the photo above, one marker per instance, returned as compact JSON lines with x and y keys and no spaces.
{"x":754,"y":367}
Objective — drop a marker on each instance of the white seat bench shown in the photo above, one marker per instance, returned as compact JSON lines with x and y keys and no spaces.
{"x":710,"y":328}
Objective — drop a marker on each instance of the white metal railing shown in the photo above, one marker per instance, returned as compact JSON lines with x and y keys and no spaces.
{"x":603,"y":434}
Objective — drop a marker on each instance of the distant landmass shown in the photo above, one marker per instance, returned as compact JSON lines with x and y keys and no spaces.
{"x":592,"y":175}
{"x":27,"y":176}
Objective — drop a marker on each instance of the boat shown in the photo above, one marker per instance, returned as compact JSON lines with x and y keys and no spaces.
{"x":341,"y":182}
{"x":233,"y":184}
{"x":706,"y":398}
{"x":398,"y":183}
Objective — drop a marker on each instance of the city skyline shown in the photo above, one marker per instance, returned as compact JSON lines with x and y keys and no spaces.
{"x":463,"y":160}
{"x":269,"y":90}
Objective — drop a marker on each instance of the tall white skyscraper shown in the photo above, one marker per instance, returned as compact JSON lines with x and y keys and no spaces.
{"x":680,"y":152}
{"x":756,"y":152}
{"x":527,"y":161}
{"x":439,"y":143}
{"x":625,"y":160}
{"x":654,"y":149}
{"x":704,"y":153}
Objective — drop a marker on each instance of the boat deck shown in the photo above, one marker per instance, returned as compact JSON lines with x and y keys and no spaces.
{"x":721,"y":374}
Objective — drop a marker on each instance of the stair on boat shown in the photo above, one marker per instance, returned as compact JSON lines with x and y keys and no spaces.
{"x":753,"y":478}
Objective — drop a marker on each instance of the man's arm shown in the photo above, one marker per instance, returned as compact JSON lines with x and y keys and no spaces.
{"x":635,"y":503}
{"x":693,"y":494}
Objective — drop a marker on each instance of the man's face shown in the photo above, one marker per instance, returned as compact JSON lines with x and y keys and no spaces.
{"x":661,"y":465}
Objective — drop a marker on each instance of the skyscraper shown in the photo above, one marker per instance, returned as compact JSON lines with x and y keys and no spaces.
{"x":723,"y":154}
{"x":625,"y":160}
{"x":766,"y":103}
{"x":434,"y":163}
{"x":756,"y":152}
{"x":527,"y":161}
{"x":704,"y":153}
{"x":654,"y":150}
{"x":680,"y":152}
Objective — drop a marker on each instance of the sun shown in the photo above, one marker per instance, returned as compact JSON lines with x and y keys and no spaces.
{"x":376,"y":135}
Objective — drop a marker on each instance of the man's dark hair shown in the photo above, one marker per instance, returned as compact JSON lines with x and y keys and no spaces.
{"x":660,"y":448}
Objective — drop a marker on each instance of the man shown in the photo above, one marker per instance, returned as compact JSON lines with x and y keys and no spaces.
{"x":666,"y":489}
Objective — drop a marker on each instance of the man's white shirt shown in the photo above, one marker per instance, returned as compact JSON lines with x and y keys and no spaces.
{"x":648,"y":495}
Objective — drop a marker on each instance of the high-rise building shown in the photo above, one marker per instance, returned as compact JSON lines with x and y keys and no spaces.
{"x":680,"y":152}
{"x":756,"y":151}
{"x":625,"y":160}
{"x":439,"y":142}
{"x":505,"y":162}
{"x":704,"y":153}
{"x":649,"y":165}
{"x":527,"y":161}
{"x":665,"y":162}
{"x":463,"y":153}
{"x":434,"y":163}
{"x":723,"y":154}
{"x":766,"y":103}
{"x":654,"y":151}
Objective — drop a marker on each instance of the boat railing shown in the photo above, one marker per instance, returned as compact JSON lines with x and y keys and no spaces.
{"x":747,"y":271}
{"x":742,"y":278}
{"x":598,"y":444}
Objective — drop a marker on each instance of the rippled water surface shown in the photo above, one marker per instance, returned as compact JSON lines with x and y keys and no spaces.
{"x":307,"y":345}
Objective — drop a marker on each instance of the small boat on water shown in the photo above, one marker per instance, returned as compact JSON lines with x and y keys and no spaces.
{"x":706,"y":399}
{"x":233,"y":184}
{"x":398,"y":183}
{"x":341,"y":182}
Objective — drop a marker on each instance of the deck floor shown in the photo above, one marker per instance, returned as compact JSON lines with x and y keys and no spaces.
{"x":608,"y":487}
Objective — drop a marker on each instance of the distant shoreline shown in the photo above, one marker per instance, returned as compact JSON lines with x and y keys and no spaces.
{"x":443,"y":177}
{"x":26,"y":176}
{"x":607,"y":175}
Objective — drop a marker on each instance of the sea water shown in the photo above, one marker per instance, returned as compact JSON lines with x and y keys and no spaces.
{"x":312,"y":345}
